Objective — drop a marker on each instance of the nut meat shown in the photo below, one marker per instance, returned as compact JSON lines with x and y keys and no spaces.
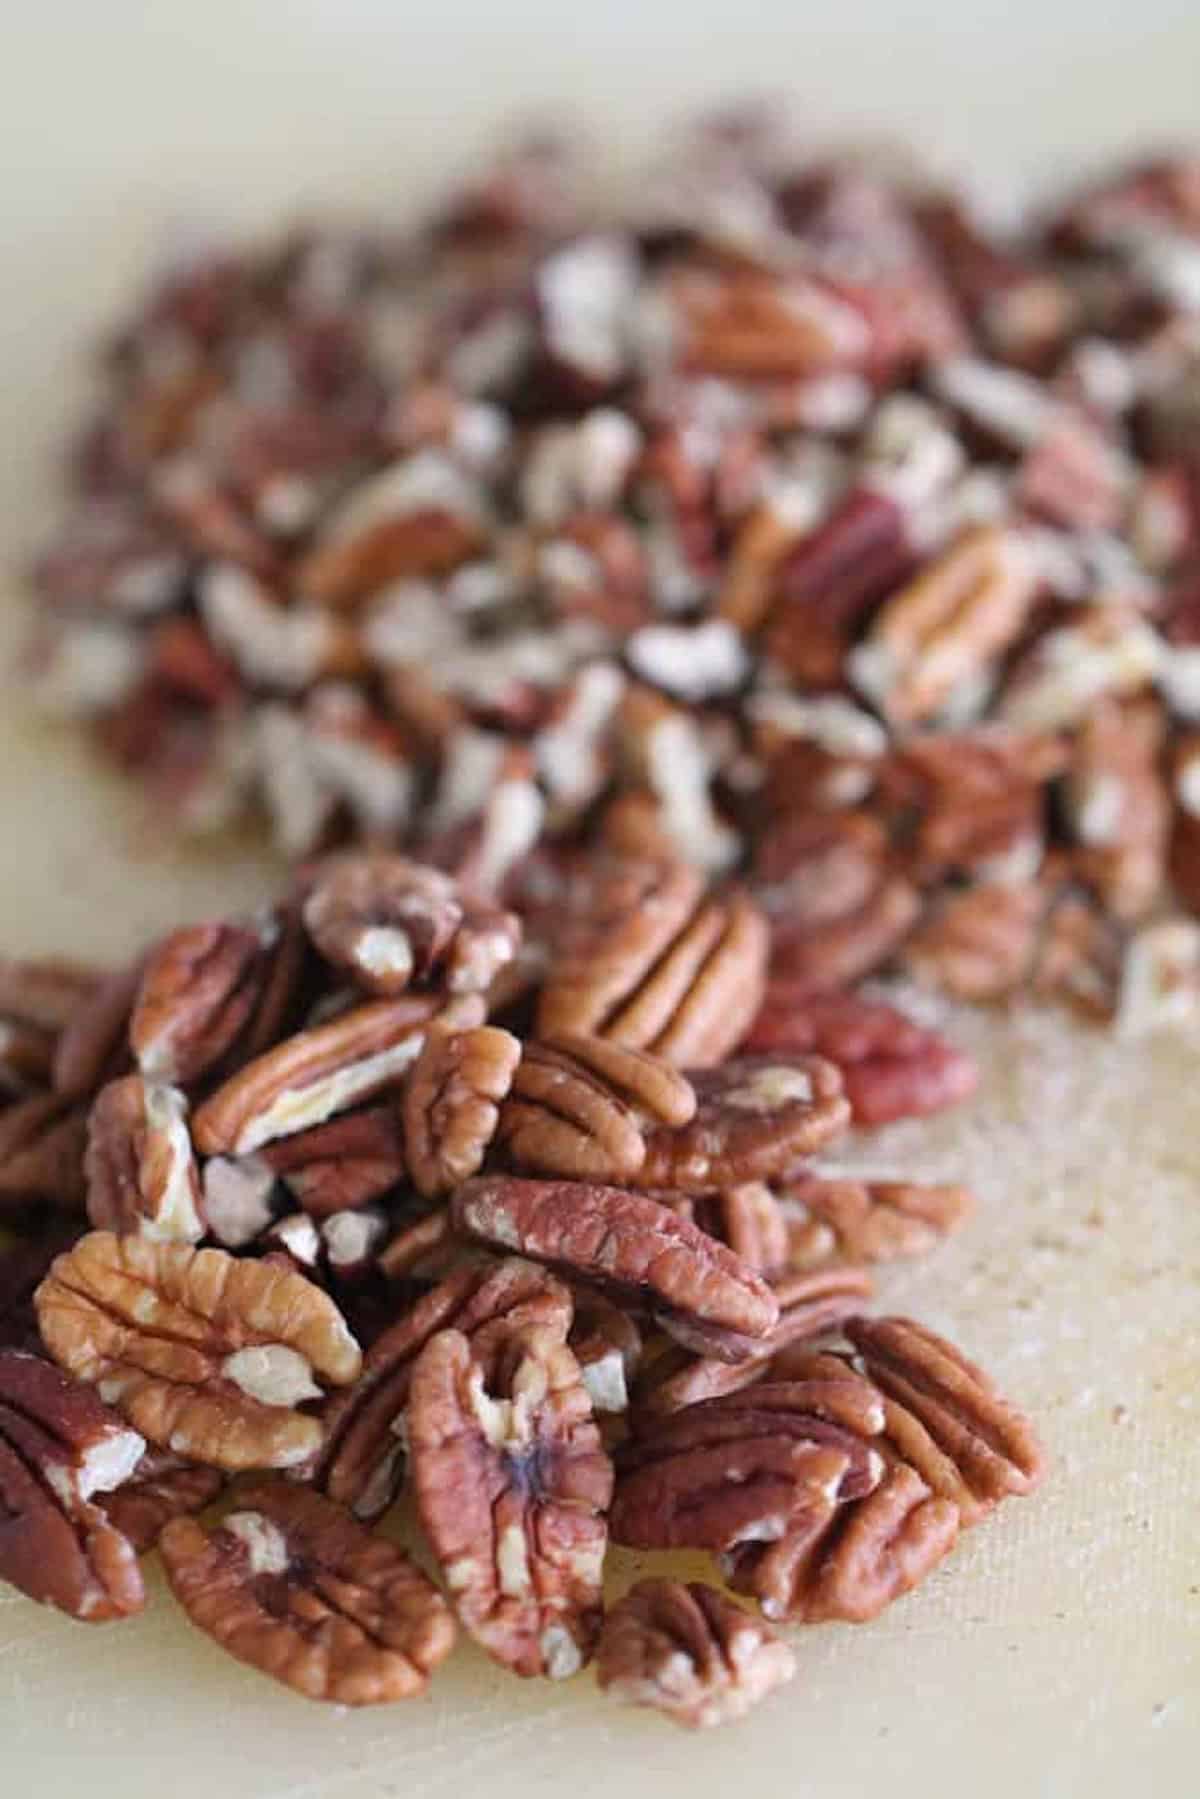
{"x":690,"y":1653}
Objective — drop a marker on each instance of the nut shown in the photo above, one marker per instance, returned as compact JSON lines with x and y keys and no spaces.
{"x":607,"y":1344}
{"x":512,"y":1485}
{"x":690,"y":1653}
{"x":342,"y":1165}
{"x":869,"y":1221}
{"x":629,"y":1246}
{"x":93,"y":1044}
{"x":1118,"y":809}
{"x":290,"y":1584}
{"x":755,"y":1117}
{"x":161,"y":1487}
{"x":42,"y":1142}
{"x":206,"y":1356}
{"x":140,"y":1171}
{"x":451,"y":1104}
{"x":579,"y":1105}
{"x":199,"y":989}
{"x":978,"y":943}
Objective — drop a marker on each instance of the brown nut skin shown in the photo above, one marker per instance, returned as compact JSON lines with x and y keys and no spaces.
{"x":199,"y":989}
{"x":979,"y":943}
{"x":690,"y":1653}
{"x":630,"y":1247}
{"x":93,"y":1043}
{"x":291,"y":1585}
{"x":58,"y":1446}
{"x":451,"y":1104}
{"x":140,"y":1171}
{"x":42,"y":1143}
{"x":162,"y":1486}
{"x":755,"y":1117}
{"x":868,"y":1221}
{"x":342,"y":1165}
{"x":512,"y":1484}
{"x":579,"y":1106}
{"x":207,"y":1356}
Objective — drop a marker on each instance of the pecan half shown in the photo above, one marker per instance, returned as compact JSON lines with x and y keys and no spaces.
{"x":292,"y":1585}
{"x":835,"y":907}
{"x":207,"y":1356}
{"x":46,"y":993}
{"x":388,"y":921}
{"x":755,"y":1117}
{"x":689,"y":1652}
{"x":162,"y":1486}
{"x":579,"y":1106}
{"x":93,"y":1044}
{"x":140,"y":1171}
{"x":42,"y":1141}
{"x":869,"y":1221}
{"x":978,"y":943}
{"x":199,"y":989}
{"x":627,"y":1245}
{"x":512,"y":1484}
{"x":451,"y":1104}
{"x":342,"y":1165}
{"x":58,"y":1446}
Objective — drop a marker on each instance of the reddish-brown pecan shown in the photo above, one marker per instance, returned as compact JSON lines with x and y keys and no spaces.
{"x":42,"y":1141}
{"x":339,"y":1166}
{"x":140,"y":1171}
{"x":361,"y":1463}
{"x":755,"y":1117}
{"x":292,"y":1585}
{"x":749,"y":1219}
{"x":630,"y":1246}
{"x":162,"y":1486}
{"x":512,"y":1484}
{"x":607,"y":1344}
{"x":358,"y":555}
{"x":451,"y":1105}
{"x":979,"y":943}
{"x":971,"y":803}
{"x":868,"y":1221}
{"x":47,"y":993}
{"x":206,"y":1356}
{"x":93,"y":1044}
{"x":424,"y":1247}
{"x":199,"y":989}
{"x":58,"y":1447}
{"x":580,"y":1105}
{"x":388,"y":922}
{"x":313,"y":1075}
{"x":689,"y":1652}
{"x":641,"y":958}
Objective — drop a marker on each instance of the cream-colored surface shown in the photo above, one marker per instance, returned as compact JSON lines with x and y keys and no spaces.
{"x":1058,"y":1653}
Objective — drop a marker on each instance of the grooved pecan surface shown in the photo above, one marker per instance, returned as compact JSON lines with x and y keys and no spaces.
{"x":140,"y":1171}
{"x":755,"y":1117}
{"x":42,"y":1142}
{"x":627,"y":1245}
{"x":292,"y":1585}
{"x":689,"y":1652}
{"x":512,"y":1485}
{"x":92,"y":1043}
{"x":162,"y":1486}
{"x":579,"y":1107}
{"x":339,"y":1166}
{"x":451,"y":1104}
{"x":198,"y":991}
{"x":206,"y":1356}
{"x":869,"y":1221}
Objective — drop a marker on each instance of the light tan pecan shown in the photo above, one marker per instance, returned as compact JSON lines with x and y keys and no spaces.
{"x":361,"y":1463}
{"x":292,"y":1585}
{"x":42,"y":1141}
{"x":59,"y":1446}
{"x":641,"y":958}
{"x":93,"y":1044}
{"x":629,"y":1246}
{"x":162,"y":1486}
{"x":979,"y":943}
{"x":140,"y":1171}
{"x":388,"y":922}
{"x":199,"y":989}
{"x":313,"y":1075}
{"x":868,"y":1221}
{"x":580,"y":1105}
{"x":451,"y":1104}
{"x":689,"y":1652}
{"x":755,"y":1117}
{"x":206,"y":1356}
{"x":342,"y":1165}
{"x":512,"y":1484}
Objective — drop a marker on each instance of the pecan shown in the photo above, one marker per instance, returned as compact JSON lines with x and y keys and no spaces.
{"x":690,"y":1653}
{"x":46,"y":993}
{"x":835,"y":910}
{"x":978,"y":943}
{"x":1118,"y":809}
{"x":199,"y":988}
{"x":423,"y":1248}
{"x":607,"y":1344}
{"x":452,"y":1103}
{"x":207,"y":1356}
{"x":361,"y":1463}
{"x":24,"y":1262}
{"x":42,"y":1142}
{"x":339,"y":1166}
{"x":292,"y":1585}
{"x":93,"y":1043}
{"x":388,"y":921}
{"x":755,"y":1117}
{"x":890,"y":1067}
{"x":162,"y":1486}
{"x":140,"y":1171}
{"x":971,"y":802}
{"x":868,"y":1221}
{"x":313,"y":1075}
{"x":627,"y":1245}
{"x":579,"y":1107}
{"x":748,"y":1218}
{"x":58,"y":1446}
{"x":643,"y":960}
{"x":512,"y":1484}
{"x":241,"y":1198}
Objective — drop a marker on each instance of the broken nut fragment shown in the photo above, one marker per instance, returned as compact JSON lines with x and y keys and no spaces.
{"x":140,"y":1171}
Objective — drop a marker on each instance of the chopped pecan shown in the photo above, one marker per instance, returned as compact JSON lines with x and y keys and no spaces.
{"x":629,"y":1245}
{"x":58,"y":1447}
{"x":199,"y":989}
{"x":311,"y":1076}
{"x":512,"y":1484}
{"x":140,"y":1171}
{"x":388,"y":921}
{"x":241,"y":1199}
{"x":93,"y":1044}
{"x":162,"y":1486}
{"x":868,"y":1221}
{"x":295,"y":1587}
{"x":42,"y":1141}
{"x":451,"y":1104}
{"x":755,"y":1117}
{"x":207,"y":1356}
{"x":689,"y":1652}
{"x":579,"y":1107}
{"x":339,"y":1166}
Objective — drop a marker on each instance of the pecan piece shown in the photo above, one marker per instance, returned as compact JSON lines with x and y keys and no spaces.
{"x":451,"y":1104}
{"x":292,"y":1585}
{"x":312,"y":1075}
{"x":628,"y":1245}
{"x":755,"y":1117}
{"x":512,"y":1484}
{"x":689,"y":1652}
{"x":388,"y":921}
{"x":162,"y":1486}
{"x":58,"y":1446}
{"x":579,"y":1104}
{"x":342,"y":1165}
{"x":869,"y":1221}
{"x":140,"y":1171}
{"x":206,"y":1356}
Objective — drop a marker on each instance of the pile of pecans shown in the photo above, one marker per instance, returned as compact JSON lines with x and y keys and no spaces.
{"x":780,"y":515}
{"x":398,"y":1197}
